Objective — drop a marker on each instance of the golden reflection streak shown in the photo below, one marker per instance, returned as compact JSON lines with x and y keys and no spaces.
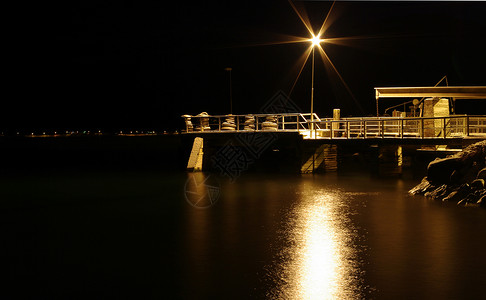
{"x":320,"y":265}
{"x":319,"y":261}
{"x":306,"y":54}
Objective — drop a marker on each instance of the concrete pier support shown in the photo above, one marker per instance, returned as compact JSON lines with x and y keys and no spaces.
{"x":238,"y":152}
{"x":196,"y":157}
{"x":331,"y":158}
{"x":390,"y":160}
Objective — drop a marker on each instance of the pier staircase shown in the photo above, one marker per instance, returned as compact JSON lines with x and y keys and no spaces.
{"x":196,"y":157}
{"x":314,"y":161}
{"x":324,"y":158}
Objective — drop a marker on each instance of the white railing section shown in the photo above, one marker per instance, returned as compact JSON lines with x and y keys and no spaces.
{"x":456,"y":126}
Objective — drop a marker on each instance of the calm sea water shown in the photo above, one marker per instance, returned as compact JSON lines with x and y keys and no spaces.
{"x":264,"y":236}
{"x":158,"y":234}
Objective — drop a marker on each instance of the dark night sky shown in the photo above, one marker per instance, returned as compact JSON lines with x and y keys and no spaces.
{"x":141,"y":64}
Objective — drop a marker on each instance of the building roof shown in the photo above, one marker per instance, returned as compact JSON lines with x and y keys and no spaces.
{"x":456,"y":92}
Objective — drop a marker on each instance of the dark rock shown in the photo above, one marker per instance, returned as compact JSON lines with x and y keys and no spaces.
{"x":458,"y":193}
{"x":475,"y":152}
{"x":471,"y":198}
{"x":455,"y":176}
{"x":468,"y":172}
{"x":476,"y":195}
{"x":481,"y":174}
{"x":477,"y":184}
{"x":440,"y":170}
{"x":482,"y":201}
{"x":453,"y":196}
{"x":462,"y":202}
{"x":460,"y":178}
{"x":438,"y":193}
{"x":421,"y":187}
{"x":464,"y":188}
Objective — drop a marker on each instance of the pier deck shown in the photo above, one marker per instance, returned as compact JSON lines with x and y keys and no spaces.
{"x":422,"y":128}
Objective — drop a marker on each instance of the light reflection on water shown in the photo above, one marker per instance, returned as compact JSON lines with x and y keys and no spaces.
{"x":320,"y":258}
{"x":329,"y":237}
{"x":263,"y":236}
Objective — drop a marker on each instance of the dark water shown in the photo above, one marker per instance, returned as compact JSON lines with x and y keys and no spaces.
{"x":301,"y":237}
{"x":158,"y":234}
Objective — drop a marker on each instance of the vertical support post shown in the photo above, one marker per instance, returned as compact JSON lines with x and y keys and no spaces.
{"x":237,"y":123}
{"x":401,"y":128}
{"x":444,"y":124}
{"x":467,"y":125}
{"x":382,"y":128}
{"x":377,"y":104}
{"x":364,"y":128}
{"x":347,"y":129}
{"x":422,"y":127}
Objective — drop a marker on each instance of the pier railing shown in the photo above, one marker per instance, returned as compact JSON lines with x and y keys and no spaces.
{"x":455,"y":126}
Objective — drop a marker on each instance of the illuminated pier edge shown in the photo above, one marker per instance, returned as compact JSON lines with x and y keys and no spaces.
{"x":429,"y":126}
{"x":428,"y":118}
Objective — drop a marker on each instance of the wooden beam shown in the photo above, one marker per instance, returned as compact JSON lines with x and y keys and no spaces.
{"x":456,"y":92}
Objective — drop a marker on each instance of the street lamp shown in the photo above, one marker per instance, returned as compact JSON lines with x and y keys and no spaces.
{"x":316,"y":41}
{"x":230,"y":90}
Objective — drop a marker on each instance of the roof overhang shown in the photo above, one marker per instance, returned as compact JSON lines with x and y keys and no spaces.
{"x":456,"y":92}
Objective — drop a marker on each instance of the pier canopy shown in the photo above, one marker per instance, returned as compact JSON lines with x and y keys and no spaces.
{"x":456,"y":92}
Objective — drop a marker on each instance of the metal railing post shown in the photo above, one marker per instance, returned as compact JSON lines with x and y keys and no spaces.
{"x":467,"y":125}
{"x":444,"y":131}
{"x":347,"y":129}
{"x":422,"y":133}
{"x":401,"y":128}
{"x":382,"y":128}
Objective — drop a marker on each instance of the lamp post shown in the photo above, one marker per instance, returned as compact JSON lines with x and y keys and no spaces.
{"x":230,"y":89}
{"x":315,"y":40}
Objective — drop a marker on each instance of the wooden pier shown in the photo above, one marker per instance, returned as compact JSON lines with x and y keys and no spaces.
{"x":451,"y":127}
{"x":292,"y":146}
{"x":306,"y":142}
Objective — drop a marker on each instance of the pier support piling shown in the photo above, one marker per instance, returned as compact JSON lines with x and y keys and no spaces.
{"x":196,"y":156}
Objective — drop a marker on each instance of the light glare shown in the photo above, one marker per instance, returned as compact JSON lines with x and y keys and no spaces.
{"x":315,"y":40}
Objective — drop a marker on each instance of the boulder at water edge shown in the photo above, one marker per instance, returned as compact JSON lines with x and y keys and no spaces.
{"x":459,"y":177}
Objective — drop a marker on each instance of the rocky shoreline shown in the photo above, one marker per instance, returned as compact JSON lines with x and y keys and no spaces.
{"x":459,"y":178}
